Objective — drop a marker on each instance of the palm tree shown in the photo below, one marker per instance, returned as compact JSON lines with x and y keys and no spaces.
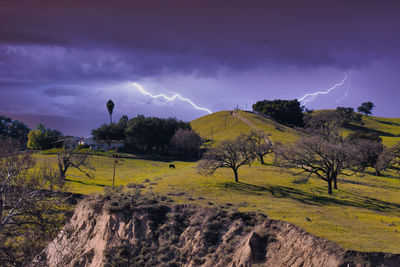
{"x":110,"y":108}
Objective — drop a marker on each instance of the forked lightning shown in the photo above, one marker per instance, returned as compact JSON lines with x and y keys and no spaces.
{"x":311,"y":96}
{"x":170,"y":98}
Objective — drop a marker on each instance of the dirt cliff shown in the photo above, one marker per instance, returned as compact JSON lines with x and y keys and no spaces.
{"x":122,"y":230}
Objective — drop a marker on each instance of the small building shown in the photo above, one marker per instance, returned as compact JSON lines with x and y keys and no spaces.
{"x":68,"y":142}
{"x":94,"y":144}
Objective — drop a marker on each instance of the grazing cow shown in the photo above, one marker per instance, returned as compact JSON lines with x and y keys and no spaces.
{"x":172,"y":166}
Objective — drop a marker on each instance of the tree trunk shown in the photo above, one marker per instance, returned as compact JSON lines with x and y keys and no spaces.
{"x":335,"y":181}
{"x":236,"y":175}
{"x":62,"y":169}
{"x":110,"y":119}
{"x":1,"y":209}
{"x":62,"y":174}
{"x":261,"y":159}
{"x":330,"y":186}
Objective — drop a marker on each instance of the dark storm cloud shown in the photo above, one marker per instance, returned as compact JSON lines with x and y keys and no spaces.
{"x":80,"y":54}
{"x":181,"y":34}
{"x":59,"y":91}
{"x":23,"y":37}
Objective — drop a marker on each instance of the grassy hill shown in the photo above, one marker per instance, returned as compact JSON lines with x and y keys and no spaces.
{"x":213,"y":126}
{"x":387,"y":128}
{"x":363,"y":214}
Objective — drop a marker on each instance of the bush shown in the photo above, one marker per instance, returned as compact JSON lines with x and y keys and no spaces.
{"x":120,"y":199}
{"x":135,"y":185}
{"x":288,"y":112}
{"x":42,"y":138}
{"x":186,"y":142}
{"x":151,"y":134}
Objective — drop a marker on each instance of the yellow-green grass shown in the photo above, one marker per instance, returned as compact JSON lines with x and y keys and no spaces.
{"x":364,"y":214}
{"x":213,"y":126}
{"x":277,"y":132}
{"x":387,"y":128}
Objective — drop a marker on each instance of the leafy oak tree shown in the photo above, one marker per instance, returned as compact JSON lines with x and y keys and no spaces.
{"x":43,"y":138}
{"x":366,"y":108}
{"x":152,"y":134}
{"x":13,"y":129}
{"x":288,"y":112}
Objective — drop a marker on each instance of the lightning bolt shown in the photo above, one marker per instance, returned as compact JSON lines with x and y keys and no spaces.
{"x":170,"y":98}
{"x":307,"y":98}
{"x":344,"y":96}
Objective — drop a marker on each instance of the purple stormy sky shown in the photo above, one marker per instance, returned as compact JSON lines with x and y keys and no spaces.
{"x":60,"y":61}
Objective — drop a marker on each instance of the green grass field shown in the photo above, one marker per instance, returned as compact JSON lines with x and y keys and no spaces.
{"x":363,"y":214}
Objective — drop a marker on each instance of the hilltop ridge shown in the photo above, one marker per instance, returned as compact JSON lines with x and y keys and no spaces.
{"x":223,"y":125}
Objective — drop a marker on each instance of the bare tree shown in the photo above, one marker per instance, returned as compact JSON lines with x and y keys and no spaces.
{"x":324,"y":157}
{"x":389,"y":157}
{"x":349,"y":115}
{"x":260,"y":144}
{"x":70,"y":158}
{"x":385,"y":160}
{"x":395,"y":151}
{"x":228,"y":154}
{"x":324,"y":122}
{"x":369,"y":153}
{"x":186,"y":142}
{"x":29,"y":205}
{"x":13,"y":165}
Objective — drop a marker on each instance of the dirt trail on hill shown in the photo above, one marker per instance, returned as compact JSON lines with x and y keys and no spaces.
{"x":236,"y":115}
{"x":156,"y":232}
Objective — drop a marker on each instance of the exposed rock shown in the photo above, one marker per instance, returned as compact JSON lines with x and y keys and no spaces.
{"x":154,"y":232}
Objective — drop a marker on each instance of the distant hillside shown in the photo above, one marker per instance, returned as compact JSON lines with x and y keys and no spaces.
{"x":387,"y":128}
{"x":214,"y":126}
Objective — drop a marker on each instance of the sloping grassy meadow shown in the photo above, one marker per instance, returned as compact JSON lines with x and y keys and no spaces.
{"x":213,"y":126}
{"x":363,"y":214}
{"x":387,"y":128}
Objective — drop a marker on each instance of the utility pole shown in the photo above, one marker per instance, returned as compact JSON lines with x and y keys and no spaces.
{"x":115,"y":163}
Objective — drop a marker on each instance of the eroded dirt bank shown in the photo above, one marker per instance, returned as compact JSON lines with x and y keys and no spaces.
{"x":152,"y":231}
